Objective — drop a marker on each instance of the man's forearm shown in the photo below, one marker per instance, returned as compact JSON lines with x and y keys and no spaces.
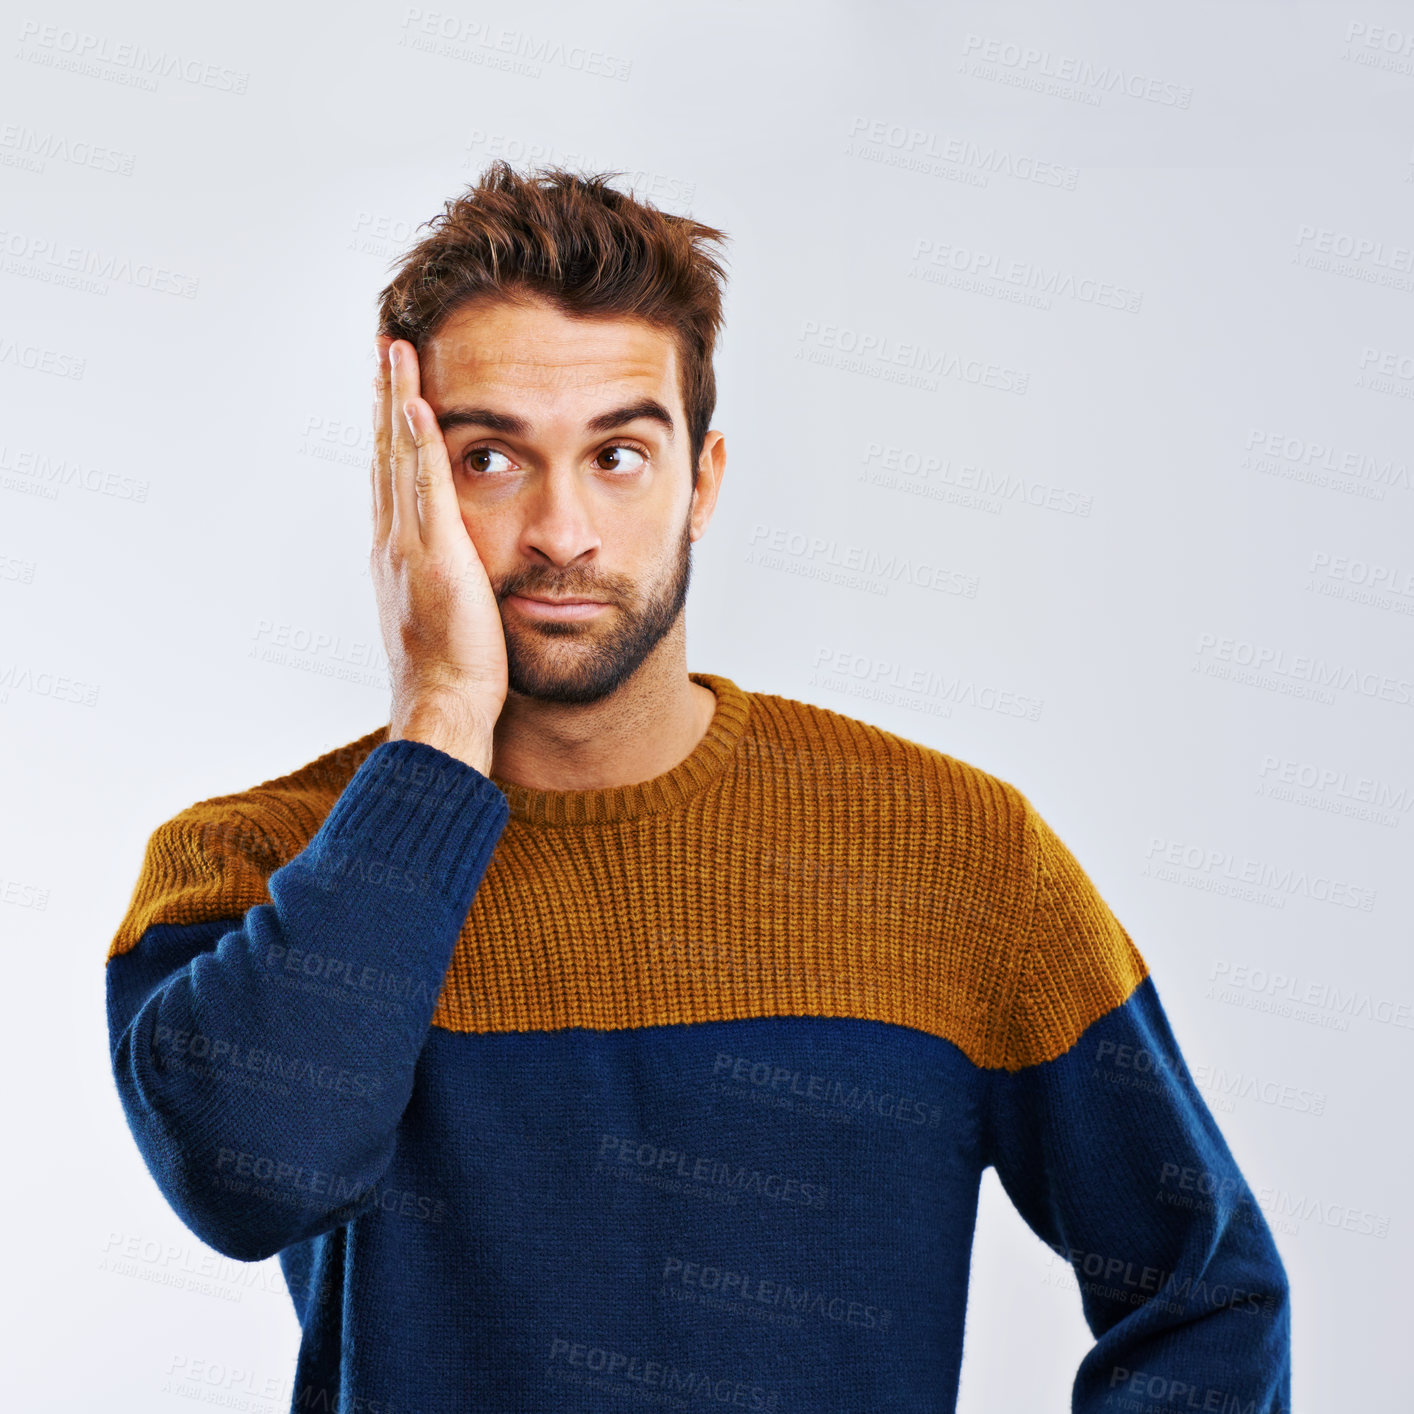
{"x":345,"y":964}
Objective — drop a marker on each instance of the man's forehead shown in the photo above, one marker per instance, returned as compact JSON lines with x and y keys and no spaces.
{"x":533,"y":347}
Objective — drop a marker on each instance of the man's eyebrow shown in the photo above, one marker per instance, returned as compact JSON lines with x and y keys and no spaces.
{"x":512,"y":426}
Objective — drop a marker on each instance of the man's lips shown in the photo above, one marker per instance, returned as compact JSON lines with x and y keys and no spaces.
{"x":571,"y":608}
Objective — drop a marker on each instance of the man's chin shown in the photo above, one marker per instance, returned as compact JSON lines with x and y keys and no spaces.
{"x":569,"y":689}
{"x":559,"y":669}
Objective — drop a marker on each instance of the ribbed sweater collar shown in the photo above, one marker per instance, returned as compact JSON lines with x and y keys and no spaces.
{"x":704,"y":764}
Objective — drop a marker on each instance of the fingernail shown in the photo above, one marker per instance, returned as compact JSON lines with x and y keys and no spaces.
{"x":393,"y":352}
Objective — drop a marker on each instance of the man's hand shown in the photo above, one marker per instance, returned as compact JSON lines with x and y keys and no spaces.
{"x":440,"y":619}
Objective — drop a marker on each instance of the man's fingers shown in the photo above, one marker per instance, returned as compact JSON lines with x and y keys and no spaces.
{"x":437,"y":506}
{"x":424,"y":499}
{"x":403,"y":384}
{"x":381,"y":471}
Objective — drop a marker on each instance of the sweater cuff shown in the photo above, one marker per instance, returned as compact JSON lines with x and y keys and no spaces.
{"x":413,"y":802}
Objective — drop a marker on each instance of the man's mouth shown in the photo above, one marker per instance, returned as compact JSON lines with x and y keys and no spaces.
{"x":537,"y":607}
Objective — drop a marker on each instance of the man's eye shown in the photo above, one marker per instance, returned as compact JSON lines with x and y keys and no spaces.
{"x":478,"y":459}
{"x":473,"y":465}
{"x":620,"y":465}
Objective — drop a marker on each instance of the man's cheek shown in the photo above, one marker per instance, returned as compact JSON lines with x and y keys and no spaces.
{"x":474,"y":522}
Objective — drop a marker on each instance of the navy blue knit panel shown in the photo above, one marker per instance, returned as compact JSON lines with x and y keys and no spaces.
{"x":1113,"y":1158}
{"x":770,"y":1214}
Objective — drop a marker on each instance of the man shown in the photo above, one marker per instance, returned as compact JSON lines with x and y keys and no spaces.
{"x":596,"y":1031}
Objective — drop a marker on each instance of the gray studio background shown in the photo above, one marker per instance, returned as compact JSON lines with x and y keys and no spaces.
{"x":1068,"y":385}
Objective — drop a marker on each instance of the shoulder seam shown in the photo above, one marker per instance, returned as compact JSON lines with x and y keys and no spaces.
{"x":1030,"y":842}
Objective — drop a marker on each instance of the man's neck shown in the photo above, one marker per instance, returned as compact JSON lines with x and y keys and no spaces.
{"x":647,"y":727}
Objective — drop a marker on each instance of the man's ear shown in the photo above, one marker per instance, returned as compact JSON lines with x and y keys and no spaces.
{"x":711,"y":467}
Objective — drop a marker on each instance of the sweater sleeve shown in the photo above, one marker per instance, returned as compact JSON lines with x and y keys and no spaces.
{"x":265,"y":1055}
{"x":1102,"y":1141}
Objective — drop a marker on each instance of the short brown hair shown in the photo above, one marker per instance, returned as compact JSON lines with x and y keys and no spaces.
{"x":583,"y":246}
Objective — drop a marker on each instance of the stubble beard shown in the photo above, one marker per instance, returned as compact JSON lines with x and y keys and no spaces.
{"x":595,"y":661}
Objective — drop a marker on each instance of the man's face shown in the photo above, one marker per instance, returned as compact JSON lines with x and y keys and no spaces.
{"x":568,"y":443}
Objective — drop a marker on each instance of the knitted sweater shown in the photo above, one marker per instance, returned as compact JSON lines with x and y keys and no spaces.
{"x":678,"y":1092}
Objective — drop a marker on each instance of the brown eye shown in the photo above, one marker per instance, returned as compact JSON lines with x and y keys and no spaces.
{"x":469,"y":459}
{"x":617,"y":452}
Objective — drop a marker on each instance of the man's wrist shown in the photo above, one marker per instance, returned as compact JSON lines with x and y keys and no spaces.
{"x":473,"y":745}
